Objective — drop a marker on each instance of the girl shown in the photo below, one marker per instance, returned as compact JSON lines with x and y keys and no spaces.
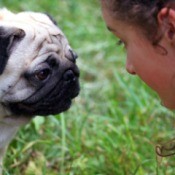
{"x":147,"y":30}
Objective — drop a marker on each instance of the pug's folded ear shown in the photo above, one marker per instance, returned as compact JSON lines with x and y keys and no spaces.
{"x":9,"y":37}
{"x":51,"y":18}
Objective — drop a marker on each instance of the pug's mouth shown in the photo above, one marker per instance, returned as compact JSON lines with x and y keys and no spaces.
{"x":57,"y":100}
{"x":31,"y":109}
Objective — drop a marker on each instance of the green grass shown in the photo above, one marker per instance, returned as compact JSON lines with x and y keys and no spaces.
{"x":112,"y":127}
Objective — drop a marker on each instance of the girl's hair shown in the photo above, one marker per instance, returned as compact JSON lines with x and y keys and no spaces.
{"x":142,"y":13}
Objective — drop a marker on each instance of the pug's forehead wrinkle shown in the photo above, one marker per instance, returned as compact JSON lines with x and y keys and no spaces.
{"x":38,"y":41}
{"x":46,"y":33}
{"x":40,"y":59}
{"x":64,"y":42}
{"x":58,"y":45}
{"x":49,"y":49}
{"x":49,"y":37}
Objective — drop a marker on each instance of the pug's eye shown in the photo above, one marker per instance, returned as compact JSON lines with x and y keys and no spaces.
{"x":42,"y":74}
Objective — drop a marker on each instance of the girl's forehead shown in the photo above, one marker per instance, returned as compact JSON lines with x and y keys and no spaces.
{"x":111,"y":22}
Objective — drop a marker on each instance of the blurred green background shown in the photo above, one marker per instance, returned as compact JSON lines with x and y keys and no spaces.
{"x":112,"y":127}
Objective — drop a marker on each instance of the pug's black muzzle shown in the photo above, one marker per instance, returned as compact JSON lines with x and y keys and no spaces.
{"x":52,"y":98}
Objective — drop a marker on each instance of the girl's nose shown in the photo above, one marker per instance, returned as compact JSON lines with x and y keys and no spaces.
{"x":130,"y":68}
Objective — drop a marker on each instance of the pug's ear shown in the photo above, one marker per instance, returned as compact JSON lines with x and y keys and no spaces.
{"x":51,"y":18}
{"x":9,"y":37}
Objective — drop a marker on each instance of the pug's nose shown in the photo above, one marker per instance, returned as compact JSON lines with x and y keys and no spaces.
{"x":69,"y":75}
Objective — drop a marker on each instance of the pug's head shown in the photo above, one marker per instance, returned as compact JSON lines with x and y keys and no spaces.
{"x":38,"y":72}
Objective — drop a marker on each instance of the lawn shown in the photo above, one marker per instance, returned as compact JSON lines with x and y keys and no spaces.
{"x":113,"y":126}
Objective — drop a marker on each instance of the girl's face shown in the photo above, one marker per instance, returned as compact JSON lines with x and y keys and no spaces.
{"x":155,"y":67}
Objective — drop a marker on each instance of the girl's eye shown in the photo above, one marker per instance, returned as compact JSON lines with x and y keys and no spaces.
{"x":120,"y":43}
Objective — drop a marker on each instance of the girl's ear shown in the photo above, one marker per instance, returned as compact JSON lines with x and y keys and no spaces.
{"x":166,"y":21}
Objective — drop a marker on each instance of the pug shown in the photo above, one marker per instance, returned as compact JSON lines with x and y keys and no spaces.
{"x":38,"y":71}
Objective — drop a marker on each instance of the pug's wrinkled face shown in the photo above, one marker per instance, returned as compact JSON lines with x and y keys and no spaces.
{"x":38,"y":68}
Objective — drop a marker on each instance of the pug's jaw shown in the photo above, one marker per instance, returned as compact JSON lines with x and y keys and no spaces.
{"x":41,"y":108}
{"x":49,"y":99}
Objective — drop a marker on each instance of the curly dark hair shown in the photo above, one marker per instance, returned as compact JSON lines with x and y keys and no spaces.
{"x":142,"y":13}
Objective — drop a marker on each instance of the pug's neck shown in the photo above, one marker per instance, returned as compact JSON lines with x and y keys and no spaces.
{"x":9,"y":126}
{"x":7,"y":132}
